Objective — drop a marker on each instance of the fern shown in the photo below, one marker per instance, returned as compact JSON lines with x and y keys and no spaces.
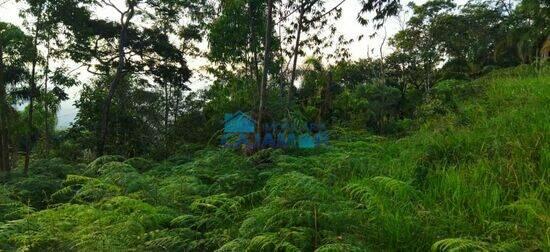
{"x":532,"y":208}
{"x":460,"y":244}
{"x":465,"y":244}
{"x":94,"y":167}
{"x":76,"y":180}
{"x":338,"y":247}
{"x":395,"y":186}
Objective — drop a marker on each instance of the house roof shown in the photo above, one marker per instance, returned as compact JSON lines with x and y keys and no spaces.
{"x":237,"y":114}
{"x":239,"y":123}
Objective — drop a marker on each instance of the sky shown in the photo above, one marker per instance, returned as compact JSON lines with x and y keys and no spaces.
{"x":347,"y":25}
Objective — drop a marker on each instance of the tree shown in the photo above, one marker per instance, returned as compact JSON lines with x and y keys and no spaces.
{"x":125,"y":20}
{"x":312,"y":16}
{"x":14,"y":54}
{"x":381,"y":8}
{"x":44,"y":18}
{"x":531,"y":22}
{"x":420,"y":42}
{"x":138,"y":47}
{"x":267,"y":60}
{"x":315,"y":92}
{"x":36,"y":9}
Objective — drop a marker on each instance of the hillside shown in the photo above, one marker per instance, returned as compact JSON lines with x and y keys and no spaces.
{"x":474,"y":175}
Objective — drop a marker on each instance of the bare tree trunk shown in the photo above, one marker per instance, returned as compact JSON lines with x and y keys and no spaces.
{"x":296,"y":50}
{"x":267,"y":59}
{"x":166,"y":110}
{"x":179,"y":95}
{"x":116,"y":80}
{"x":382,"y":68}
{"x":282,"y":84}
{"x":46,"y":104}
{"x":253,"y":46}
{"x":4,"y":152}
{"x":31,"y":99}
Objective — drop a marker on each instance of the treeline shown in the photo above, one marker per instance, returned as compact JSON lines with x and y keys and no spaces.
{"x":138,"y":101}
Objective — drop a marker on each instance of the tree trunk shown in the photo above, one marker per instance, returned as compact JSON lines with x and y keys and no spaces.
{"x":177,"y":107}
{"x":382,"y":68}
{"x":46,"y":103}
{"x":116,"y":80}
{"x":31,"y":99}
{"x":326,"y":99}
{"x":267,"y":59}
{"x":4,"y":152}
{"x":296,"y":50}
{"x":1,"y":153}
{"x":166,"y":111}
{"x":253,"y":46}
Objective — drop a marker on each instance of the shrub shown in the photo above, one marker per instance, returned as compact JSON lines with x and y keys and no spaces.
{"x":140,"y":164}
{"x":94,"y":166}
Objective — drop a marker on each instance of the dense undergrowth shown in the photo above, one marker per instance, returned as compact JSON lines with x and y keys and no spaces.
{"x":473,"y":176}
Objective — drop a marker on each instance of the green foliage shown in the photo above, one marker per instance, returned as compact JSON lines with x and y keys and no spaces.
{"x":11,"y":209}
{"x":94,"y":167}
{"x":473,"y":177}
{"x":140,"y":164}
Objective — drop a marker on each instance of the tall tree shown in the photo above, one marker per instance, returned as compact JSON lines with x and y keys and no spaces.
{"x":37,"y":11}
{"x":312,"y":16}
{"x":267,"y":60}
{"x":126,"y":17}
{"x":14,"y":54}
{"x":111,"y":50}
{"x":114,"y":49}
{"x":43,"y":17}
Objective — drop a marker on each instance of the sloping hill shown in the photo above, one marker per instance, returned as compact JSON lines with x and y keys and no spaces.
{"x":473,"y":176}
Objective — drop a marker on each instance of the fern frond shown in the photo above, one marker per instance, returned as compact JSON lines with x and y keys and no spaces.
{"x":76,"y":180}
{"x":338,"y":247}
{"x":394,"y":185}
{"x":460,"y":244}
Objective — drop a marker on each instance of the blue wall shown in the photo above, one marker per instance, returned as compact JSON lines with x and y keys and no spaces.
{"x":238,"y":123}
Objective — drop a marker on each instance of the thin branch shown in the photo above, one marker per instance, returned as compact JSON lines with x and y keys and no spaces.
{"x":88,"y":68}
{"x":74,"y":69}
{"x":326,"y":13}
{"x":109,"y":3}
{"x":288,"y":15}
{"x":4,"y":2}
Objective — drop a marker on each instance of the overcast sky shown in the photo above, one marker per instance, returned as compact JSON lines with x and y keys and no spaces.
{"x":346,"y":25}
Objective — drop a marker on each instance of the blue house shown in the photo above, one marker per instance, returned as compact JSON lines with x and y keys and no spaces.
{"x":239,"y":129}
{"x":306,"y":141}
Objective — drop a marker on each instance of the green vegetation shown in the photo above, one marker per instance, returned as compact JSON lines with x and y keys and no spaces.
{"x":474,"y":175}
{"x":439,"y":137}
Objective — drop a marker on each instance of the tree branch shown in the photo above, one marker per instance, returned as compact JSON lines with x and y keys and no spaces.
{"x":110,"y":4}
{"x":326,"y":13}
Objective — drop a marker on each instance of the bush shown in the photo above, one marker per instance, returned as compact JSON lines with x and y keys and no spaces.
{"x":94,"y":166}
{"x":140,"y":164}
